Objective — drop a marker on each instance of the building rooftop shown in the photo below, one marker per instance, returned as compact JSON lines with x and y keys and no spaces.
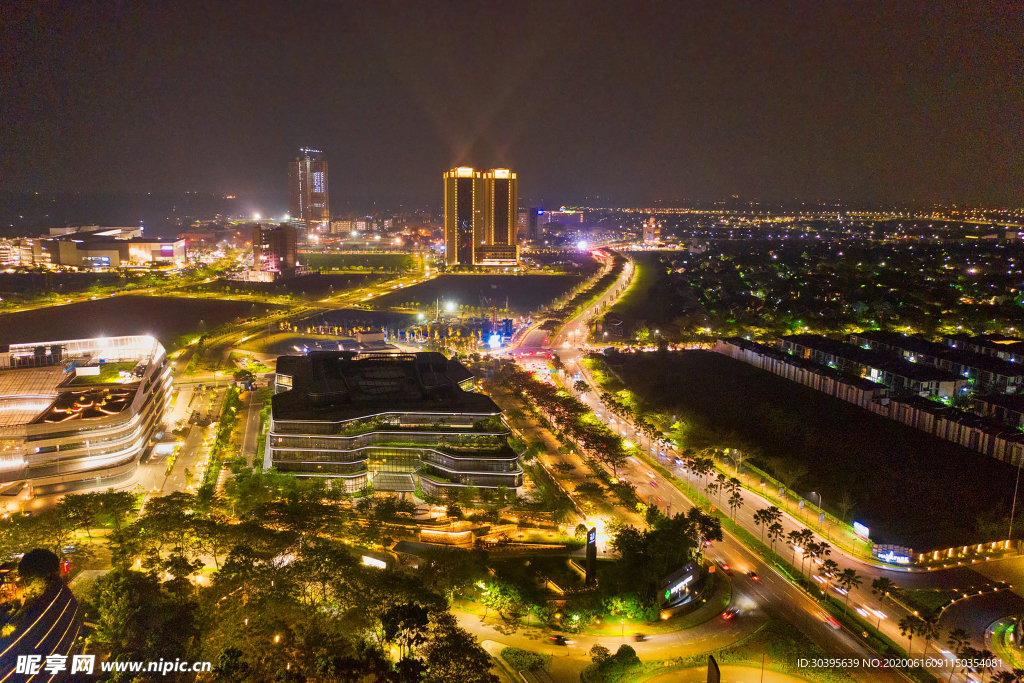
{"x":919,"y":345}
{"x":806,"y":364}
{"x":341,"y":385}
{"x":874,"y":359}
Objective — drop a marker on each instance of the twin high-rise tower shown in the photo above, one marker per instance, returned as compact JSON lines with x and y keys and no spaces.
{"x":480,"y":213}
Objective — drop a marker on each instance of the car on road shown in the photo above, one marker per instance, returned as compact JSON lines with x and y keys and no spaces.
{"x":654,"y":483}
{"x":753,"y":576}
{"x":831,"y":621}
{"x":560,"y":640}
{"x":639,"y":637}
{"x":730,"y":613}
{"x":725,"y":567}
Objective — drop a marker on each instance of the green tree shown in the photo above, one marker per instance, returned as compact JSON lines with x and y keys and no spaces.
{"x":929,"y":628}
{"x":908,"y":626}
{"x":452,"y":654}
{"x":849,"y":579}
{"x":82,"y":509}
{"x":39,"y":569}
{"x":735,"y":503}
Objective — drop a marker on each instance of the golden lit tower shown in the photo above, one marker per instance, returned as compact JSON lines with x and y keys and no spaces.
{"x":463,"y":215}
{"x":502,"y":206}
{"x":307,"y":184}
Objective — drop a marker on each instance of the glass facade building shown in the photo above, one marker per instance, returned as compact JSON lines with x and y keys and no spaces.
{"x":407,"y":416}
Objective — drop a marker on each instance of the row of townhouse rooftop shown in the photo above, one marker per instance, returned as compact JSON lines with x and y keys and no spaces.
{"x":985,"y":433}
{"x":901,"y":376}
{"x":988,"y":373}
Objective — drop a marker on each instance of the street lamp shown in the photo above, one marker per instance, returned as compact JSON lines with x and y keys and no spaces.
{"x":821,"y":510}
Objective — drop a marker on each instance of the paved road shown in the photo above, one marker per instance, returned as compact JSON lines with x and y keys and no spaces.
{"x":773,"y":592}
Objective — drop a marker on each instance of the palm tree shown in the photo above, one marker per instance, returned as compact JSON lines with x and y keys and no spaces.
{"x":793,"y":539}
{"x":761,"y":520}
{"x":881,"y":587}
{"x":828,"y":569}
{"x":722,"y":482}
{"x":849,"y":579}
{"x":734,"y":485}
{"x":581,"y":387}
{"x":956,"y":641}
{"x":806,"y":539}
{"x":735,"y":502}
{"x":811,"y":550}
{"x":1015,"y":676}
{"x":775,"y":532}
{"x":908,"y":628}
{"x":929,"y":628}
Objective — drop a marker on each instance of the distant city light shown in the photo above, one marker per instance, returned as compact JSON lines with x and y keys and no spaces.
{"x":256,"y":216}
{"x":494,"y":341}
{"x":582,"y":245}
{"x":449,"y":306}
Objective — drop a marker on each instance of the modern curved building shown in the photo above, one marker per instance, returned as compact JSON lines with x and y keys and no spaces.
{"x":79,"y":413}
{"x":396,"y":421}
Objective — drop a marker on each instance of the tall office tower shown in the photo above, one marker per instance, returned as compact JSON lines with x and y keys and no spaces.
{"x":500,"y":246}
{"x":273,"y":249}
{"x":307,"y":182}
{"x":463,"y":215}
{"x":480,"y":217}
{"x":523,"y":225}
{"x":502,"y":206}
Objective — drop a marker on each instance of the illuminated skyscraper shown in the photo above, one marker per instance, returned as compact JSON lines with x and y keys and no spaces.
{"x":463,"y":214}
{"x":307,"y":183}
{"x":480,"y":217}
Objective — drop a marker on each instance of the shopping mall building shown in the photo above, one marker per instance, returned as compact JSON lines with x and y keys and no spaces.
{"x":79,"y":413}
{"x":398,"y":422}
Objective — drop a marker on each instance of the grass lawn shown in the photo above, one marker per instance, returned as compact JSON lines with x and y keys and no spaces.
{"x":635,"y":303}
{"x":908,"y":487}
{"x":110,"y":373}
{"x":928,"y":599}
{"x":387,"y":262}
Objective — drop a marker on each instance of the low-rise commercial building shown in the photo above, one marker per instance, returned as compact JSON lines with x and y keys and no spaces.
{"x":399,"y":422}
{"x":102,"y":248}
{"x":80,"y":413}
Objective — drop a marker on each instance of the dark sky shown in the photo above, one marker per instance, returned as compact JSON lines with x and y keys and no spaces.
{"x":629,"y":101}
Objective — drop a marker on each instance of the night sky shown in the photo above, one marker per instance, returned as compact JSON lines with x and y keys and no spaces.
{"x":630,"y":102}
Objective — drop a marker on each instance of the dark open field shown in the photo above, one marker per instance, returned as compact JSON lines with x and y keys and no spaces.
{"x":357,"y":319}
{"x":310,"y":287}
{"x":636,"y":303}
{"x":524,"y":292}
{"x":164,"y":317}
{"x":908,"y":487}
{"x":389,"y":262}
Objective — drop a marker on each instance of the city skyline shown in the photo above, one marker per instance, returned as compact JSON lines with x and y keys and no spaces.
{"x":884,"y":104}
{"x":622,"y":340}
